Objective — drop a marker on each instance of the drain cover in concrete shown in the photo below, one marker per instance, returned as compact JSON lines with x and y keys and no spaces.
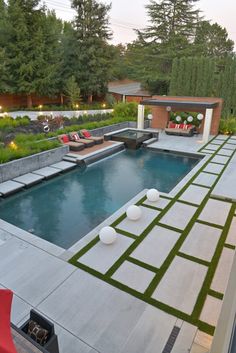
{"x":134,"y":276}
{"x":63,"y":165}
{"x":201,"y":242}
{"x":181,"y":284}
{"x":155,"y":248}
{"x":205,"y":179}
{"x":29,"y":179}
{"x":179,"y":215}
{"x":137,"y":227}
{"x":215,"y":212}
{"x":9,"y":187}
{"x":194,"y":194}
{"x":47,"y":172}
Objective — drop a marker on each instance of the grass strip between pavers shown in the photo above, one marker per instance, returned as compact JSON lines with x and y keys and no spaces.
{"x":146,"y":296}
{"x":215,"y":294}
{"x":194,"y":259}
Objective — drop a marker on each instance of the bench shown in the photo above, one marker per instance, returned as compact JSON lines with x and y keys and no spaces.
{"x":180,"y":129}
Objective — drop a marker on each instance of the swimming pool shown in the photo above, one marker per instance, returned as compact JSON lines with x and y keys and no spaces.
{"x":65,"y":209}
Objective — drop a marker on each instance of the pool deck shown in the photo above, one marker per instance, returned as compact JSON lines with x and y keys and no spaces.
{"x":119,"y":298}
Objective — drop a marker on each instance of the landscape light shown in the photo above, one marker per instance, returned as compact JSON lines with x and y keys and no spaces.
{"x":40,"y":106}
{"x":0,"y":107}
{"x":77,"y":106}
{"x":104,"y":105}
{"x":153,"y":195}
{"x":134,"y":213}
{"x":107,"y":235}
{"x":12,"y":145}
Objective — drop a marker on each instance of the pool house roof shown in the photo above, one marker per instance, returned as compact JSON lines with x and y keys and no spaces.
{"x":181,"y":104}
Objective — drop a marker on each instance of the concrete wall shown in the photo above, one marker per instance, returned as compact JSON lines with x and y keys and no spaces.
{"x":161,"y":116}
{"x":127,"y":124}
{"x":28,"y":164}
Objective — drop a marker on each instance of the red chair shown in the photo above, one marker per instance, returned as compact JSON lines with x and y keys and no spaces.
{"x":6,"y":341}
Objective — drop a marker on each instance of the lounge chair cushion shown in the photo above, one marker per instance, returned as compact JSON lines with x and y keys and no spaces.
{"x":65,"y":138}
{"x":86,"y":133}
{"x":37,"y":333}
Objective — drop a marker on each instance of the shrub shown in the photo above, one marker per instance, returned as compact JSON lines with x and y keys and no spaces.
{"x":228,"y":126}
{"x":125,"y":110}
{"x":184,"y":116}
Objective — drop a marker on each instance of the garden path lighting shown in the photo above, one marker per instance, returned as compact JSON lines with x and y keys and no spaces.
{"x":153,"y":195}
{"x":107,"y":235}
{"x":134,"y":213}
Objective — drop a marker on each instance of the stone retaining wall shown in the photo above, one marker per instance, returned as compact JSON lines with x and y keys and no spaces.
{"x":28,"y":164}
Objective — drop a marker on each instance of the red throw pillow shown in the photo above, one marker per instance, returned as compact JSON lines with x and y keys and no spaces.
{"x":171,"y":125}
{"x":189,"y":126}
{"x":86,"y":133}
{"x":177,"y":126}
{"x":76,"y":137}
{"x":65,"y":139}
{"x":181,"y":126}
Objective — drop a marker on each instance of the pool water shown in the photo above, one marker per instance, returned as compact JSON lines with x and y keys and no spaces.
{"x":66,"y":208}
{"x":131,"y":134}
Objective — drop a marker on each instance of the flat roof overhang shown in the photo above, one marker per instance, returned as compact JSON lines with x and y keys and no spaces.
{"x":180,"y":104}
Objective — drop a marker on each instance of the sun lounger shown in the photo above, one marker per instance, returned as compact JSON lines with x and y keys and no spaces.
{"x":180,"y":129}
{"x":74,"y":136}
{"x":86,"y":134}
{"x":74,"y":146}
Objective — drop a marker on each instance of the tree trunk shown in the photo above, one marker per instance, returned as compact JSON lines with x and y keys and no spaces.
{"x":90,"y":99}
{"x":29,"y":101}
{"x":62,"y":99}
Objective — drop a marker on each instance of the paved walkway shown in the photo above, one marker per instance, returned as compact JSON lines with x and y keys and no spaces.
{"x":163,"y":280}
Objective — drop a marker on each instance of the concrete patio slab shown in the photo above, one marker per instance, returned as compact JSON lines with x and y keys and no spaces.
{"x":205,"y":179}
{"x":185,"y":338}
{"x":4,"y":236}
{"x":222,"y":137}
{"x":215,"y":212}
{"x":217,"y":142}
{"x":179,"y":215}
{"x":47,"y":172}
{"x":231,"y":238}
{"x":184,"y":279}
{"x":224,"y":152}
{"x":226,"y":187}
{"x":137,"y":227}
{"x":161,"y":203}
{"x":220,"y":159}
{"x":29,"y":179}
{"x":101,"y":257}
{"x":214,"y":168}
{"x":63,"y":165}
{"x":203,"y":339}
{"x":201,"y":242}
{"x":207,"y":151}
{"x":232,"y":140}
{"x":9,"y":187}
{"x":44,"y":272}
{"x":212,"y":147}
{"x":211,"y":310}
{"x":230,"y":146}
{"x":104,"y":317}
{"x":194,"y":194}
{"x":134,"y":276}
{"x":222,"y":273}
{"x":144,"y":338}
{"x":155,"y":248}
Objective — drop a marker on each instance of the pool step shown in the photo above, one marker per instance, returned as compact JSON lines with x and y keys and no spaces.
{"x":70,"y":159}
{"x":150,"y":141}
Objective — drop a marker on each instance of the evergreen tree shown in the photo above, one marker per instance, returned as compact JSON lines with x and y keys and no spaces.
{"x":72,"y":91}
{"x":30,"y":49}
{"x":94,"y":56}
{"x":212,"y":40}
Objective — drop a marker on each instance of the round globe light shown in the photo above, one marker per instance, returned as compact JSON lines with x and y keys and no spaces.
{"x":200,"y":117}
{"x":153,"y":195}
{"x":149,"y":116}
{"x":190,"y":119}
{"x":178,"y":118}
{"x":134,"y":213}
{"x":107,"y":235}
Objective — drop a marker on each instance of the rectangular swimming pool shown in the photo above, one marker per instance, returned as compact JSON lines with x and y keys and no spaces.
{"x":65,"y":209}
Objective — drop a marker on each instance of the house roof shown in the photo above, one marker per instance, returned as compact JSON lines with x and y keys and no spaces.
{"x":127,"y":88}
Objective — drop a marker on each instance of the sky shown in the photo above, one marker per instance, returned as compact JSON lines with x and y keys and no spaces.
{"x":128,"y":14}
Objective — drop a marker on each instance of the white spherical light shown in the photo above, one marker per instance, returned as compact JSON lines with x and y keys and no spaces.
{"x":190,"y":119}
{"x":107,"y":235}
{"x":200,"y":116}
{"x":153,"y":195}
{"x":150,"y":116}
{"x":178,"y":118}
{"x":134,"y":213}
